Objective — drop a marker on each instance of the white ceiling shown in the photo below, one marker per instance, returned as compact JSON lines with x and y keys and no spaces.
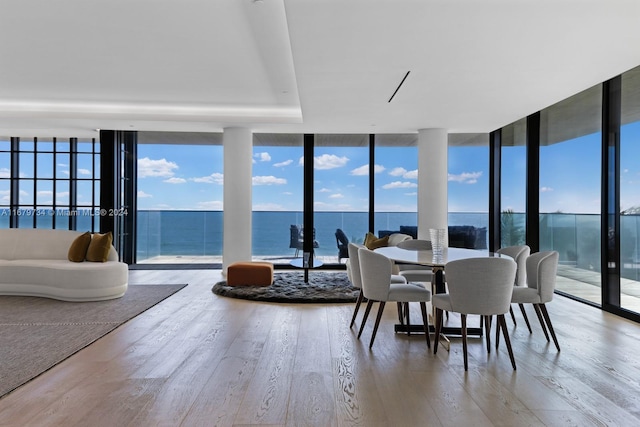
{"x":68,"y":67}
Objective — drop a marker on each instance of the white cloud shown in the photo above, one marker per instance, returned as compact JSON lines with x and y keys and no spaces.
{"x":545,"y":189}
{"x":324,"y":190}
{"x":155,"y":168}
{"x":175,"y":180}
{"x":263,"y":157}
{"x":287,"y":193}
{"x":142,"y":194}
{"x":404,"y":173}
{"x":45,"y":193}
{"x":364,"y":170}
{"x":465,"y":177}
{"x":5,"y":173}
{"x":329,"y":161}
{"x":399,"y":184}
{"x":397,"y":171}
{"x":411,"y":174}
{"x":213,"y":205}
{"x":84,"y":171}
{"x":214,"y":178}
{"x":268,"y":180}
{"x":411,"y":194}
{"x":282,"y":164}
{"x":336,"y":196}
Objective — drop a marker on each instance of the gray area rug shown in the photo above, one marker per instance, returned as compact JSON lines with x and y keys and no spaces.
{"x":289,"y":287}
{"x":38,"y":333}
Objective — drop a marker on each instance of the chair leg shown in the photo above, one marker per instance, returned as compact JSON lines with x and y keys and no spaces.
{"x":526,"y":319}
{"x":406,"y":313}
{"x":541,"y":320}
{"x":463,"y":319}
{"x":503,"y":324}
{"x":545,"y":313}
{"x":497,"y":333}
{"x":400,"y":313}
{"x":513,"y":316}
{"x":375,"y":327}
{"x":438,"y":328}
{"x":487,"y":327}
{"x":357,"y":307}
{"x":364,"y":318}
{"x":425,"y":321}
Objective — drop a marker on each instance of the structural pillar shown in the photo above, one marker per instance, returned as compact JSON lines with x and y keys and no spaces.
{"x":238,"y":152}
{"x":432,"y":181}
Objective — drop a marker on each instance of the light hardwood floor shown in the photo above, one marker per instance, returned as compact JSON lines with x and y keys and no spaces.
{"x":197,"y":359}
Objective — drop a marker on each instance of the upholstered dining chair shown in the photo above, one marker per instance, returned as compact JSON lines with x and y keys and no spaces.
{"x":415,"y":273}
{"x":542,"y":268}
{"x":519,"y":253}
{"x":353,"y":273}
{"x":480,"y":286}
{"x":375,"y":270}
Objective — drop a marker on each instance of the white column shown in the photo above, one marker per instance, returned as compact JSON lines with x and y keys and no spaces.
{"x":238,"y":154}
{"x":432,"y":181}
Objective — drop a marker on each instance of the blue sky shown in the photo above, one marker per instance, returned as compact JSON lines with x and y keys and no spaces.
{"x":174,"y":177}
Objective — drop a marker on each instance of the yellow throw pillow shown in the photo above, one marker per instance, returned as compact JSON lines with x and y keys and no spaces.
{"x":78,"y":249}
{"x":372,"y":242}
{"x":99,"y":247}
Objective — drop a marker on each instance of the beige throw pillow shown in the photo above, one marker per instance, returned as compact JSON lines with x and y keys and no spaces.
{"x":99,"y":247}
{"x":78,"y":249}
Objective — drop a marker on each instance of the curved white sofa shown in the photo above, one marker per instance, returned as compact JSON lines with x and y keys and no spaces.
{"x":33,"y":262}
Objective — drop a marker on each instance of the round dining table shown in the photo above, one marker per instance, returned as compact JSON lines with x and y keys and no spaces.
{"x":437,"y":261}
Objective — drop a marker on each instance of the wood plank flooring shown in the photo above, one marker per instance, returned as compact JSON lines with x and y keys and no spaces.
{"x":197,"y":359}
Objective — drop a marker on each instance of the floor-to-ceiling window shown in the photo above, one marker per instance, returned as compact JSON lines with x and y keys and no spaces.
{"x":395,"y":181}
{"x":340,"y":190}
{"x":570,"y":191}
{"x":468,"y":183}
{"x":179,"y":199}
{"x":513,"y":183}
{"x":56,"y":183}
{"x":277,"y":193}
{"x":630,"y":192}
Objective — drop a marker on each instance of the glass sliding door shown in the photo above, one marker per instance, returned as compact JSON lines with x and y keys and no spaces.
{"x":179,"y":200}
{"x":630,"y":192}
{"x":395,"y":182}
{"x":277,"y":193}
{"x":341,"y":191}
{"x":570,"y":191}
{"x":513,"y":184}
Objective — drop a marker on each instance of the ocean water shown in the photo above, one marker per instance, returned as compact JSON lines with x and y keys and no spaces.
{"x":200,"y":232}
{"x":193,"y":233}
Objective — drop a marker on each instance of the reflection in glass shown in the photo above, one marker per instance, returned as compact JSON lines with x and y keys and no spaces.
{"x":570,"y":171}
{"x":630,"y":192}
{"x":513,"y":182}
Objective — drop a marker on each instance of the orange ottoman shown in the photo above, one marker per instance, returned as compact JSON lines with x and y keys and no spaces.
{"x":254,"y":273}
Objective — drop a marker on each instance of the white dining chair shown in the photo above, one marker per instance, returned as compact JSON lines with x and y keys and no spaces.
{"x":542,"y":268}
{"x":354,"y":275}
{"x":376,"y":270}
{"x":480,"y":286}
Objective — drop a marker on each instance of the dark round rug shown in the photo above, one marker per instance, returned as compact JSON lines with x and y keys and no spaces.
{"x":323,"y":287}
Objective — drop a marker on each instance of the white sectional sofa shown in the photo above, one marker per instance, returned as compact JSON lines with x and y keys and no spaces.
{"x":33,"y":262}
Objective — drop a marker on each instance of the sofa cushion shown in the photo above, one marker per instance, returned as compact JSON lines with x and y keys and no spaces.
{"x":78,"y":249}
{"x":99,"y":247}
